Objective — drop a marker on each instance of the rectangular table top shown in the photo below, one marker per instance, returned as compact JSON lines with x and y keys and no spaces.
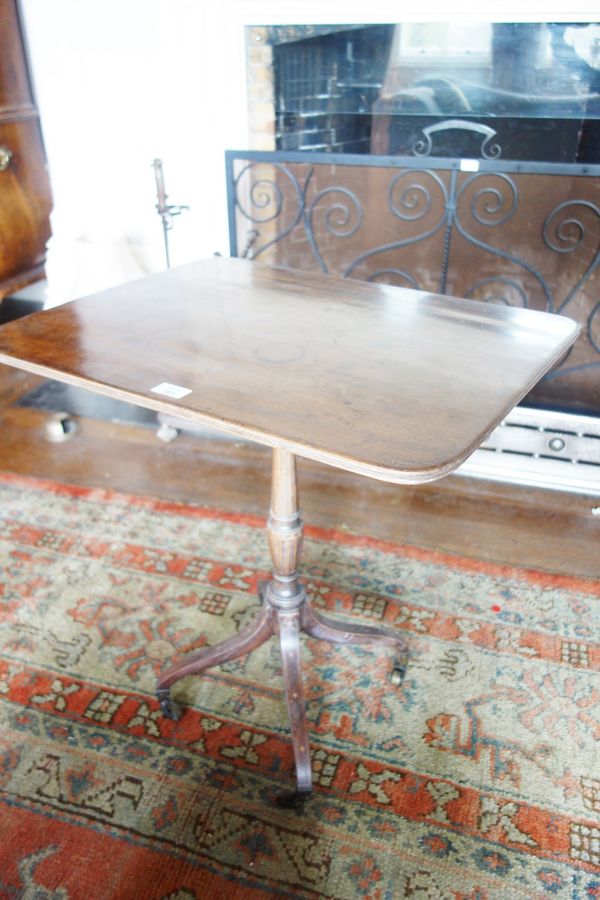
{"x":388,"y":382}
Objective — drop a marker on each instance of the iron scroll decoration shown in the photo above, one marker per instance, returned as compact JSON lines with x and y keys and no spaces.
{"x":408,"y":202}
{"x":489,"y":198}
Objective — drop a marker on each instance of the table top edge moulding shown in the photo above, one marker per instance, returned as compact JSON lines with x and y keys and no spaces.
{"x":386,"y":382}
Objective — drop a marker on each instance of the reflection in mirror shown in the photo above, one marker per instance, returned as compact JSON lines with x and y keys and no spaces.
{"x":497,"y":69}
{"x":374,"y":88}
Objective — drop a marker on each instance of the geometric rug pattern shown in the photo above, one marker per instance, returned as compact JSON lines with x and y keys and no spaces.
{"x":479,"y":778}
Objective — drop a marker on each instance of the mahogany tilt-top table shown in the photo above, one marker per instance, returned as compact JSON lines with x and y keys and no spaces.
{"x":386,"y":382}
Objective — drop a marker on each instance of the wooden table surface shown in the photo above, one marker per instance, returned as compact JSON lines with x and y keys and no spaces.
{"x":391,"y":383}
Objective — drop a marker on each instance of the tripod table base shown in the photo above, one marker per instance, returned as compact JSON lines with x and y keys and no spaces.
{"x":285,"y":611}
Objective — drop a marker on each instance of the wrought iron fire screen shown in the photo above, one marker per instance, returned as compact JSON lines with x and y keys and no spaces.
{"x":522,"y":234}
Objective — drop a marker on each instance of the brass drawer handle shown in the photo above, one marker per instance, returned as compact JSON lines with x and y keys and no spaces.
{"x":5,"y":158}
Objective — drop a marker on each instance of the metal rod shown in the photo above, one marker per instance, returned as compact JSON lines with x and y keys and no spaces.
{"x":165,"y":210}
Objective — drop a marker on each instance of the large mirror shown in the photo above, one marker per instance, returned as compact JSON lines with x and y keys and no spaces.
{"x":375,"y":88}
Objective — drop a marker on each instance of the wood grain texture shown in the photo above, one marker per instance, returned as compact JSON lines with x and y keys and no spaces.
{"x":386,"y":382}
{"x":284,"y":528}
{"x":25,"y":198}
{"x":15,"y":87}
{"x":25,"y":206}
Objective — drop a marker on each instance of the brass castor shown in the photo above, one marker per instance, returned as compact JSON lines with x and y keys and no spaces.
{"x":399,"y":670}
{"x":168,"y":708}
{"x":292,"y":800}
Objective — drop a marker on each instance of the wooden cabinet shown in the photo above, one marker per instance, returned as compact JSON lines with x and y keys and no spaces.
{"x":25,"y":198}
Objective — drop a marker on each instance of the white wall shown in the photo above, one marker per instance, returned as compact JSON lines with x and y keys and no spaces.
{"x":120,"y":82}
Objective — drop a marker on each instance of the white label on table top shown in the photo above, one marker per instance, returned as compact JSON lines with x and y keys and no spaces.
{"x":469,"y":165}
{"x":175,"y":391}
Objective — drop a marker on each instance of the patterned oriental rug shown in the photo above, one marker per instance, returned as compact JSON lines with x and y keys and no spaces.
{"x":479,"y":778}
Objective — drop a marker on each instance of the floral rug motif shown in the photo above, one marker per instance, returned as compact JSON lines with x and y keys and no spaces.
{"x":479,"y":778}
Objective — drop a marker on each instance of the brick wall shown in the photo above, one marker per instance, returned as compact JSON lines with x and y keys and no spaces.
{"x":261,"y":90}
{"x":314,"y":91}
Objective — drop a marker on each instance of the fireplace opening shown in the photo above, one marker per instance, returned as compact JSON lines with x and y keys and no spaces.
{"x":375,"y":88}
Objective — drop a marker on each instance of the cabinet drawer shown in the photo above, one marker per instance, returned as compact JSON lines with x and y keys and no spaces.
{"x":25,"y":200}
